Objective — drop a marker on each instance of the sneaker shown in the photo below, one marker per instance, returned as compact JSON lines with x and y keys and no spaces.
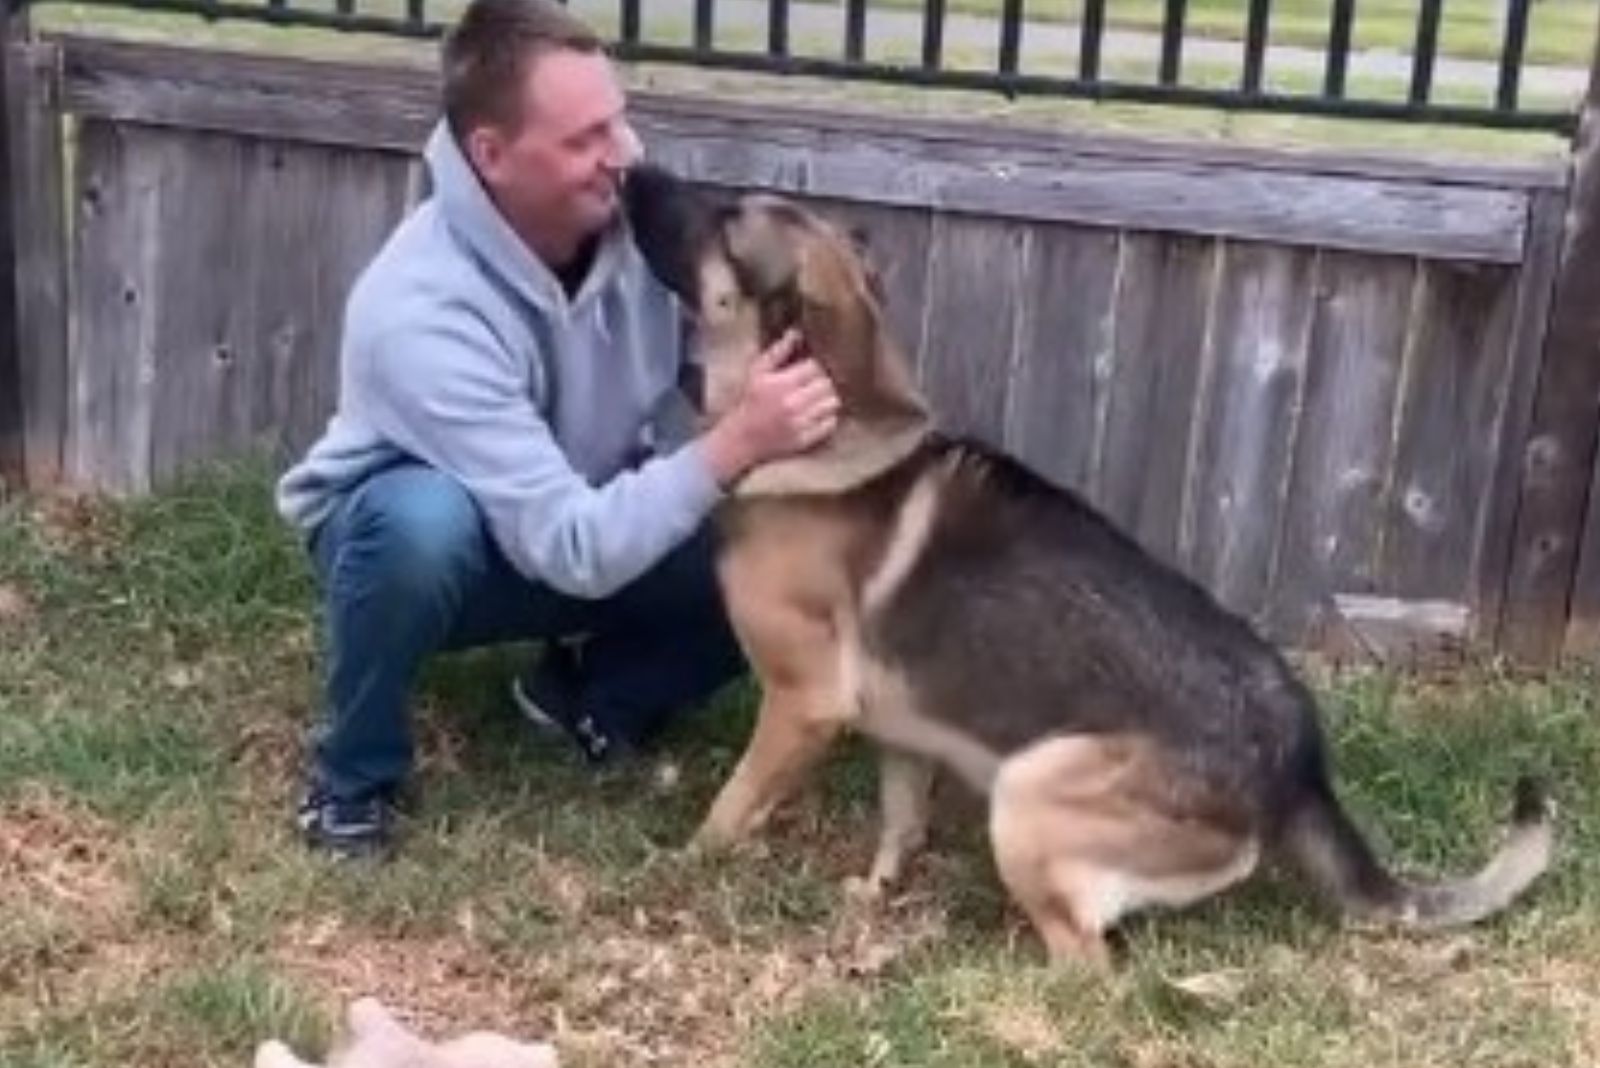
{"x":349,"y":830}
{"x":547,"y":695}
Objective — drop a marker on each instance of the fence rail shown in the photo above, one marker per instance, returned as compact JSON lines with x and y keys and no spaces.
{"x":1007,"y":32}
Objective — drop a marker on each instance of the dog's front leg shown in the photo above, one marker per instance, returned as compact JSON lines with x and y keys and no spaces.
{"x":905,"y":795}
{"x":793,"y":730}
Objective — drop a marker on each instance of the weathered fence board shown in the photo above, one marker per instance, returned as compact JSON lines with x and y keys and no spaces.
{"x":1363,"y":205}
{"x":359,"y":198}
{"x":39,"y":221}
{"x":1544,"y":607}
{"x":1258,"y":337}
{"x":13,"y":462}
{"x":367,"y":106}
{"x":1344,"y":446}
{"x":1316,"y":210}
{"x":114,"y":309}
{"x":313,"y":102}
{"x":1163,"y":306}
{"x":209,"y":310}
{"x":205,"y":222}
{"x":1058,"y":404}
{"x":1583,"y":611}
{"x":976,"y":277}
{"x":1453,"y":390}
{"x":1547,"y":211}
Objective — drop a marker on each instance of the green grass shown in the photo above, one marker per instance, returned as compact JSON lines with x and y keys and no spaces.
{"x":204,"y":1014}
{"x":158,"y":674}
{"x":1562,"y":30}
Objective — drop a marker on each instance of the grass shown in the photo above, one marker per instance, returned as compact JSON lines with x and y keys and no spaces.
{"x":1567,"y":24}
{"x":1559,"y":31}
{"x":157,"y":676}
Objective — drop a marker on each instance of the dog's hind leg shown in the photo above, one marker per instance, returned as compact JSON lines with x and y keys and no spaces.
{"x":1088,"y":829}
{"x":905,"y":788}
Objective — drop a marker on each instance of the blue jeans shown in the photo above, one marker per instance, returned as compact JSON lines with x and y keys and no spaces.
{"x":408,"y":569}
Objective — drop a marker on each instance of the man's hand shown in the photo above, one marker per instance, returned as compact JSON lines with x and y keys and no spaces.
{"x":784,"y":410}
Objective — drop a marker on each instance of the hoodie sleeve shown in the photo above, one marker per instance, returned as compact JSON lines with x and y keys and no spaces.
{"x":446,"y":396}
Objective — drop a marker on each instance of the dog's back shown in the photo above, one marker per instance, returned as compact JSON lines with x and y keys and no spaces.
{"x":1028,"y":614}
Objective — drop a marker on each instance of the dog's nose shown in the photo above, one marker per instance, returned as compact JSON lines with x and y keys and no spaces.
{"x":692,"y":381}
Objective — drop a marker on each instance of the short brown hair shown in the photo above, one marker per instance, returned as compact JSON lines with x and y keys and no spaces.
{"x":487,"y":53}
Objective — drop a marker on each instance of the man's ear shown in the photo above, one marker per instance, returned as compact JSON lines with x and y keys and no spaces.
{"x":671,"y":223}
{"x":485,"y":148}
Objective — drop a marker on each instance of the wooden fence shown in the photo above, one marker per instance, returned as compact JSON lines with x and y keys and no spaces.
{"x":1299,"y":376}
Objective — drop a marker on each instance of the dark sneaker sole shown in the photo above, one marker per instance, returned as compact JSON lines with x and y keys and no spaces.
{"x":352,"y":839}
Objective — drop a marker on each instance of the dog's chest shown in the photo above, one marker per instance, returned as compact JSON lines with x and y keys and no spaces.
{"x":804,"y":586}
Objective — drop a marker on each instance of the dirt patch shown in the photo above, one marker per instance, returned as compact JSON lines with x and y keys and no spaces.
{"x":16,"y":607}
{"x":1573,"y":988}
{"x":268,"y":750}
{"x":437,"y":985}
{"x":1025,"y":1028}
{"x":78,"y":524}
{"x":60,"y":856}
{"x":658,"y":991}
{"x":69,"y":936}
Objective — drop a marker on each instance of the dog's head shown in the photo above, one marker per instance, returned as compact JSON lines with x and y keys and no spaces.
{"x":751,"y":267}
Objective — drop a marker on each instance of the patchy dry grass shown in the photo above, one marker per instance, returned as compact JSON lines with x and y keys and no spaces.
{"x":157,"y":675}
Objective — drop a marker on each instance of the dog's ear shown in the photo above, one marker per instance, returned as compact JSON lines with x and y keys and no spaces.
{"x":671,"y":222}
{"x":861,"y":241}
{"x":869,"y":266}
{"x":842,"y":316}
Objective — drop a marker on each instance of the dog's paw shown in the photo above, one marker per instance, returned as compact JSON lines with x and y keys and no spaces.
{"x":711,"y":841}
{"x":703,"y":847}
{"x":709,"y":838}
{"x":866,"y":891}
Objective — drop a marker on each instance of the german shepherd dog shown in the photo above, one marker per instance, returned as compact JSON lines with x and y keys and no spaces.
{"x":1138,"y":745}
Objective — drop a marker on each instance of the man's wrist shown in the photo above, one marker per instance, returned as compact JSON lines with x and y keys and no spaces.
{"x":728,"y":451}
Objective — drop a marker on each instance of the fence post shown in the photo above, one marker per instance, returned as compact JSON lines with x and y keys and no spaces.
{"x":1543,"y":594}
{"x":12,"y":451}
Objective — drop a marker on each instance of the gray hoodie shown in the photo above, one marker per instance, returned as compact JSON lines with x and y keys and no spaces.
{"x":561,"y":418}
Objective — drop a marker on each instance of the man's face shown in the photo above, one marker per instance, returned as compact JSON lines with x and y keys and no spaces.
{"x":559,"y":176}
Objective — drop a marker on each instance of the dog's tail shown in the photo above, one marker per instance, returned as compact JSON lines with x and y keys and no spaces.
{"x":1326,"y":846}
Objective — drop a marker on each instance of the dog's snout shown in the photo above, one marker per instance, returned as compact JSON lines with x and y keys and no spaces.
{"x":692,"y":381}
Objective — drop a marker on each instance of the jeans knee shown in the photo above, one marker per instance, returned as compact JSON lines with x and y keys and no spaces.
{"x":417,"y":530}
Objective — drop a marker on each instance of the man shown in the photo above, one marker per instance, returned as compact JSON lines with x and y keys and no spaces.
{"x":504,"y":462}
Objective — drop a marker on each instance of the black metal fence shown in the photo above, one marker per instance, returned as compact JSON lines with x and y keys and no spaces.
{"x":1007,"y":26}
